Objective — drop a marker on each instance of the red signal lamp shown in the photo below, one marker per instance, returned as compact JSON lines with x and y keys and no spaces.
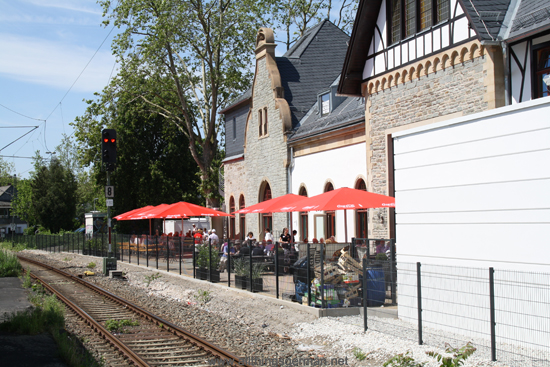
{"x":113,"y":140}
{"x":105,"y":140}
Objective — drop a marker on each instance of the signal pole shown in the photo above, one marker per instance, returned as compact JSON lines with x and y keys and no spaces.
{"x":108,"y":153}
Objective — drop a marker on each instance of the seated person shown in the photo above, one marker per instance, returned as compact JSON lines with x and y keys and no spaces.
{"x":258,"y":251}
{"x":250,"y":238}
{"x":380,"y":247}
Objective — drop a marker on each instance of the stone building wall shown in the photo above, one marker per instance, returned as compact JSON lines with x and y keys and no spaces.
{"x":265,"y":156}
{"x":448,"y":93}
{"x":235,"y":185}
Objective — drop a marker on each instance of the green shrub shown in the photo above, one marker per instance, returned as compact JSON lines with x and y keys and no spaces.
{"x":152,"y":277}
{"x":402,"y":360}
{"x":203,"y":259}
{"x":9,"y":264}
{"x":359,"y":354}
{"x":459,"y":355}
{"x":91,"y":265}
{"x":203,"y":297}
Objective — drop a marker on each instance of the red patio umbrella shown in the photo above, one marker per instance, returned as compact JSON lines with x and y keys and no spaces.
{"x":123,"y":216}
{"x":343,"y":198}
{"x":146,"y":214}
{"x":268,"y":205}
{"x":184,"y":209}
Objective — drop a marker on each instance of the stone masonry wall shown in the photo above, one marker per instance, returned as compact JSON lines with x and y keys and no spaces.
{"x":234,"y":176}
{"x":458,"y":89}
{"x":264,"y":156}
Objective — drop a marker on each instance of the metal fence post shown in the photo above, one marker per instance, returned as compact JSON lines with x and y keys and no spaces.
{"x":419,"y":300}
{"x":323,"y":290}
{"x":276,"y":273}
{"x":365,"y":326}
{"x":393,"y":275}
{"x":228,"y":265}
{"x":308,"y":278}
{"x":250,"y":267}
{"x":180,"y":257}
{"x":157,"y":252}
{"x":168,"y":254}
{"x":492,"y":305}
{"x":194,"y":259}
{"x":209,"y":260}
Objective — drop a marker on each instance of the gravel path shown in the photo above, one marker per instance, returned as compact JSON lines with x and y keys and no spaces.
{"x":251,"y":325}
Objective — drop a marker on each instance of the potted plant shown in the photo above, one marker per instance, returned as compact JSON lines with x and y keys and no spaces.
{"x":241,"y":273}
{"x":257,"y":280}
{"x":207,"y":264}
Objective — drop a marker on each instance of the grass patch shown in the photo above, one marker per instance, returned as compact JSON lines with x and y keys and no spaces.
{"x":9,"y":264}
{"x":26,"y":277}
{"x":150,"y":278}
{"x":91,"y":265}
{"x":48,"y":315}
{"x":11,"y":246}
{"x":203,"y":297}
{"x":359,"y":354}
{"x":118,"y":326}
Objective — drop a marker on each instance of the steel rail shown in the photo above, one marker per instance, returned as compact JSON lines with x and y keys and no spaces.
{"x":118,"y":344}
{"x":176,"y":330}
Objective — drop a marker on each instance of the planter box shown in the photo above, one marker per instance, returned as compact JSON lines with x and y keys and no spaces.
{"x":202,"y":273}
{"x":213,"y":276}
{"x":258,"y":285}
{"x":241,"y":282}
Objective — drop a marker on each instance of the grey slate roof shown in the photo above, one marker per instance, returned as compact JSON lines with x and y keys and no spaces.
{"x":349,"y":111}
{"x":531,"y":15}
{"x":246,"y":95}
{"x":310,"y":65}
{"x":486,"y":16}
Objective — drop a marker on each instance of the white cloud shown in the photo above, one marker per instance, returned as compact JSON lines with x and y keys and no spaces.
{"x":91,"y":7}
{"x":54,"y":64}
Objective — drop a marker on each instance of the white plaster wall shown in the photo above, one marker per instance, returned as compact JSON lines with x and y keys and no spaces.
{"x":478,"y":186}
{"x":342,"y":167}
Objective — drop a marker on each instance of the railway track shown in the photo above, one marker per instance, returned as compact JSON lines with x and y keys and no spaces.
{"x":137,"y":337}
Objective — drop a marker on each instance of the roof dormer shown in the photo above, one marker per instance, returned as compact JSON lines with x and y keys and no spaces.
{"x":328,"y":101}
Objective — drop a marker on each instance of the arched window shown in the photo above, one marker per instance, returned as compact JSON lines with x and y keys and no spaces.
{"x":267,"y":219}
{"x":304,"y":218}
{"x":362,"y":220}
{"x":242,"y":218}
{"x":330,"y":216}
{"x":232,"y":219}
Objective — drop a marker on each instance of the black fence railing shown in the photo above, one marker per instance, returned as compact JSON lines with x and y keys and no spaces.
{"x":506,"y":314}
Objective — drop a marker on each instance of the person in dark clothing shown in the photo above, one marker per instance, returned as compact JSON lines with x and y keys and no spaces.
{"x":245,"y":250}
{"x":257,"y":251}
{"x":285,"y":237}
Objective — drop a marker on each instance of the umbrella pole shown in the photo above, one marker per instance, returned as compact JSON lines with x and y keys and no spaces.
{"x":150,"y":234}
{"x":290,"y":213}
{"x":346,"y":224}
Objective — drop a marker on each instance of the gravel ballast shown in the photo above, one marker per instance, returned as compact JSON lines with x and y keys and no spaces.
{"x":258,"y":326}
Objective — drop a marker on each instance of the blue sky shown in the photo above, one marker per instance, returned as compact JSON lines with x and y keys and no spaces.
{"x":44,"y":46}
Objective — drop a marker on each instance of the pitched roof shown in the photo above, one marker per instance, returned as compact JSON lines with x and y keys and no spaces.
{"x":238,"y":101}
{"x":6,"y":193}
{"x":311,"y":64}
{"x":350,"y":111}
{"x":486,"y":16}
{"x":531,"y":15}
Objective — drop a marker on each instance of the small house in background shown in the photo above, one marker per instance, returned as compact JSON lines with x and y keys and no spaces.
{"x":8,"y":222}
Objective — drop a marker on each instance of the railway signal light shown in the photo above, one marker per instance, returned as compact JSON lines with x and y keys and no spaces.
{"x":108,"y":148}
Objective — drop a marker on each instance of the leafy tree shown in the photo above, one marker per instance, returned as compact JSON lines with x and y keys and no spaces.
{"x":23,"y":202}
{"x":154,"y":164}
{"x":6,"y":176}
{"x":54,"y":196}
{"x":198,"y":51}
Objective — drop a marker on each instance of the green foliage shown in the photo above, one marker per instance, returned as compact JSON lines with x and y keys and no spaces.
{"x":241,"y":267}
{"x":381,"y":257}
{"x":204,"y":257}
{"x":402,"y":360}
{"x":27,"y":281}
{"x":13,"y":247}
{"x":118,"y":326}
{"x":152,"y":277}
{"x":6,"y":173}
{"x":72,"y":351}
{"x":48,"y":315}
{"x":54,"y":196}
{"x":9,"y":264}
{"x":359,"y":354}
{"x":203,"y":297}
{"x":186,"y":60}
{"x":459,"y":355}
{"x":91,"y":265}
{"x":257,"y":270}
